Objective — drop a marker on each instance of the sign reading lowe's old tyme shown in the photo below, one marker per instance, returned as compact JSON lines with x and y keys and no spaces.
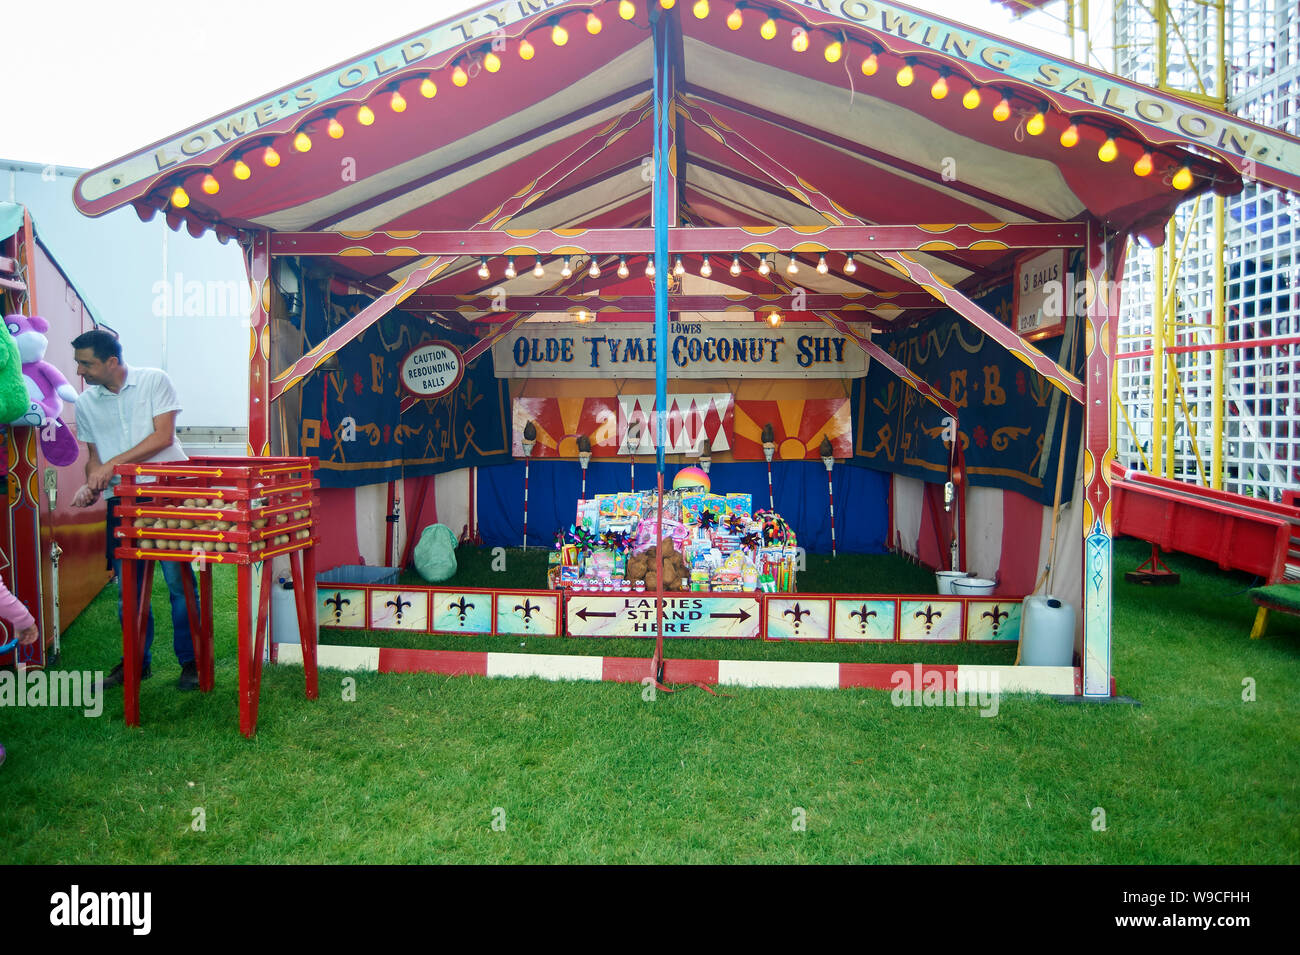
{"x":695,"y":350}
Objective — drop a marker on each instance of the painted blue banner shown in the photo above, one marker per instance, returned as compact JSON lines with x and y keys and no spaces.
{"x":351,"y":415}
{"x":1010,"y":417}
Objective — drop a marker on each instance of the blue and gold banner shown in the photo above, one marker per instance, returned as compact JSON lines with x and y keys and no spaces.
{"x":351,"y":415}
{"x":1010,"y":417}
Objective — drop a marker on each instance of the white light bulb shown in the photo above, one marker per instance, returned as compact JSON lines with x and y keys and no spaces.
{"x":822,"y":267}
{"x":706,"y":270}
{"x":510,"y":268}
{"x":850,"y":265}
{"x":594,"y":271}
{"x":622,"y":267}
{"x":538,"y":271}
{"x":735,"y":265}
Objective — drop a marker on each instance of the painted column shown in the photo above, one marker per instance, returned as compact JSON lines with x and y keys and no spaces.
{"x":1102,"y":318}
{"x":257,"y":259}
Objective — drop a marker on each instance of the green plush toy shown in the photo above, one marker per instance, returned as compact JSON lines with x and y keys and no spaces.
{"x":435,"y":554}
{"x":13,"y":388}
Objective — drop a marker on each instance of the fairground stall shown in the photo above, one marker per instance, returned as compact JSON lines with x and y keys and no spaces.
{"x":856,"y":263}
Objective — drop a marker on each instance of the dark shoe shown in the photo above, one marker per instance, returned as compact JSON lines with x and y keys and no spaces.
{"x":189,"y":677}
{"x":116,"y":678}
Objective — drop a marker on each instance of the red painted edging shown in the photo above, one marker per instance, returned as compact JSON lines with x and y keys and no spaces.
{"x":691,"y":671}
{"x":447,"y":662}
{"x":879,"y":676}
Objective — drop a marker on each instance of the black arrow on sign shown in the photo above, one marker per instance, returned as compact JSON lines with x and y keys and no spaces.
{"x":584,"y":613}
{"x":742,"y":616}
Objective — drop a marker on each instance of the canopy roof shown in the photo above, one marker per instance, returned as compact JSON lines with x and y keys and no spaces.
{"x":823,"y":99}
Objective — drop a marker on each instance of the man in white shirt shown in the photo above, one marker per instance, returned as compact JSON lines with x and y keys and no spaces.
{"x":125,"y":416}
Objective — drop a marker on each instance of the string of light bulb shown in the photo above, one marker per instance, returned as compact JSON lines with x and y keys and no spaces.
{"x":834,"y":45}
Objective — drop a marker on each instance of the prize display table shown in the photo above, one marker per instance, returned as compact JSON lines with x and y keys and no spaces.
{"x":218,"y":510}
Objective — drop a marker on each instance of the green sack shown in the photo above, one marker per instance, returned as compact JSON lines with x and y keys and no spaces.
{"x":435,"y":554}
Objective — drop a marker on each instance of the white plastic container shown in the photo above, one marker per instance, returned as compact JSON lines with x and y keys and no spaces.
{"x":943,"y":579}
{"x":973,"y":587}
{"x":1046,"y":632}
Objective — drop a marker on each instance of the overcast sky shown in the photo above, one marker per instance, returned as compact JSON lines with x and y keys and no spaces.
{"x":87,"y":82}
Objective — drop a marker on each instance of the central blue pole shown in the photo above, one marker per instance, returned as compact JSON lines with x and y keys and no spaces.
{"x":661,"y":118}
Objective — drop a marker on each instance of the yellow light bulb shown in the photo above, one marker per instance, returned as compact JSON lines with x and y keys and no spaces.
{"x":365,"y":115}
{"x":939,"y":89}
{"x":1037,"y":123}
{"x":774,"y":319}
{"x":1144,"y":165}
{"x":1182,"y":179}
{"x":667,"y":4}
{"x":397,"y":102}
{"x":1108,"y":150}
{"x":870,"y":65}
{"x":459,"y":77}
{"x":559,"y":35}
{"x":701,"y":9}
{"x":180,"y":198}
{"x":735,"y":20}
{"x":905,"y":75}
{"x":594,"y":25}
{"x":334,"y":128}
{"x":270,"y":157}
{"x":491,"y":62}
{"x":210,"y":184}
{"x":799,"y":42}
{"x":626,"y":9}
{"x":1002,"y":112}
{"x":428,"y":88}
{"x":834,"y":50}
{"x":526,"y":50}
{"x":302,"y":142}
{"x":1070,"y":136}
{"x":241,"y":170}
{"x":768,"y":30}
{"x":972,"y":98}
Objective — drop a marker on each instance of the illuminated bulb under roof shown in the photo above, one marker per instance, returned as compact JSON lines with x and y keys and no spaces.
{"x":650,"y":268}
{"x":1108,"y":150}
{"x":834,"y":50}
{"x":559,"y":35}
{"x":458,"y":76}
{"x":1002,"y":112}
{"x":626,"y":9}
{"x":667,"y":4}
{"x":1070,"y":136}
{"x":870,"y":64}
{"x":241,"y":170}
{"x":483,"y":272}
{"x":763,"y":267}
{"x":799,"y":42}
{"x":701,"y":9}
{"x":594,"y":271}
{"x":850,"y":264}
{"x":678,"y":268}
{"x":180,"y":198}
{"x":210,"y":185}
{"x":302,"y":142}
{"x":622,"y":259}
{"x":594,"y":25}
{"x":939,"y":89}
{"x":735,"y":265}
{"x":768,"y":30}
{"x":334,"y":128}
{"x":526,"y":50}
{"x":735,"y":20}
{"x":793,"y":267}
{"x":822,"y":267}
{"x":774,"y":319}
{"x":491,"y":62}
{"x":972,"y":98}
{"x":1037,"y":123}
{"x":706,"y":270}
{"x":270,"y":157}
{"x":365,"y":115}
{"x":428,"y":88}
{"x":905,"y":75}
{"x":567,"y":270}
{"x":538,"y":271}
{"x":1182,"y":179}
{"x":1144,"y":165}
{"x":397,"y":102}
{"x":510,"y":267}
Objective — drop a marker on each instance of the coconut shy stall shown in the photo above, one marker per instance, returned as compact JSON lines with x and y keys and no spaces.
{"x":854,"y":269}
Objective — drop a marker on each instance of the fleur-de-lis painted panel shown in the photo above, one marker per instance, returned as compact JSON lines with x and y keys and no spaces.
{"x":399,"y":609}
{"x":929,"y":620}
{"x":864,"y":619}
{"x":455,"y":612}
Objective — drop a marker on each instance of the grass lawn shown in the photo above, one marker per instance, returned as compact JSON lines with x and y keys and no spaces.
{"x":419,"y":766}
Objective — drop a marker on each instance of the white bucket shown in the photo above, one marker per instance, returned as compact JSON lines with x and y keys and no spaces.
{"x":944,"y":578}
{"x":973,"y":587}
{"x":1046,"y":632}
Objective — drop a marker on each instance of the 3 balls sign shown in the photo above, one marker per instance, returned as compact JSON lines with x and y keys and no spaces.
{"x":432,"y":369}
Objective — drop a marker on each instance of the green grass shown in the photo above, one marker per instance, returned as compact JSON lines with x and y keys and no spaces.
{"x":414,"y":768}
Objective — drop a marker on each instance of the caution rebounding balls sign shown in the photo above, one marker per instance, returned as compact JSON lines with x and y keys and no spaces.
{"x":432,"y":369}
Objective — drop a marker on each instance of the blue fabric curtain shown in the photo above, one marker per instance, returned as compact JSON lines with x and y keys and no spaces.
{"x":799,"y":488}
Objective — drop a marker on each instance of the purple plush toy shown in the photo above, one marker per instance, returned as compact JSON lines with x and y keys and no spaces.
{"x":46,"y":387}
